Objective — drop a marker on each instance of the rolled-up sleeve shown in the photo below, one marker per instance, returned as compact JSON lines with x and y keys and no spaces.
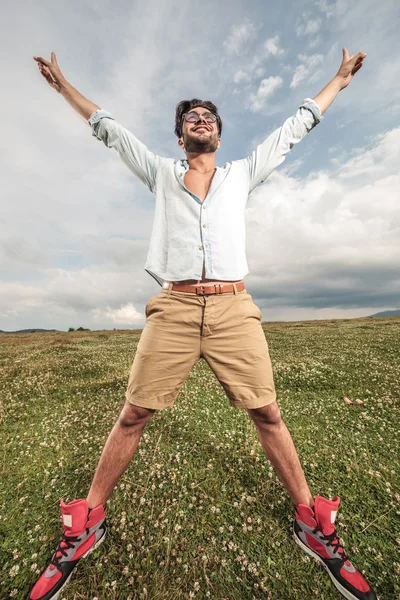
{"x":138,"y":158}
{"x":272,"y":151}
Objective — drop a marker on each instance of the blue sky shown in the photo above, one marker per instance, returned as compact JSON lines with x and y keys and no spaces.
{"x":323,"y":231}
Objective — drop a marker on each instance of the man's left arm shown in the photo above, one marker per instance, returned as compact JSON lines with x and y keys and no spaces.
{"x":272,"y":151}
{"x":349,"y":67}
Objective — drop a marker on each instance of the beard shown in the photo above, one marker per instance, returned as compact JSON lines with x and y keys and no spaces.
{"x":200,"y":144}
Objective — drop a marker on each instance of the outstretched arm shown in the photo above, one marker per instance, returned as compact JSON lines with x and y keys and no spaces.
{"x":349,"y":67}
{"x":272,"y":151}
{"x":56,"y":80}
{"x":139,"y":159}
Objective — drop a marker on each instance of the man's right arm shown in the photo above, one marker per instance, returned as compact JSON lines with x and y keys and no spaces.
{"x":143,"y":163}
{"x":137,"y":157}
{"x":83,"y":107}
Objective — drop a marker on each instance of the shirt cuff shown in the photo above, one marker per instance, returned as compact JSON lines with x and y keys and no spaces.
{"x":313,"y":107}
{"x":98,"y":115}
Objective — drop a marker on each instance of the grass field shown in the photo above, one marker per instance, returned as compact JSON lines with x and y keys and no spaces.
{"x":199,"y":512}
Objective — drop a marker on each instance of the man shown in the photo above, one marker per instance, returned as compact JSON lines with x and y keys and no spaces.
{"x":197,"y":255}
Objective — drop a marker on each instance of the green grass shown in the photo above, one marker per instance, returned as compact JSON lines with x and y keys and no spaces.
{"x":199,"y":512}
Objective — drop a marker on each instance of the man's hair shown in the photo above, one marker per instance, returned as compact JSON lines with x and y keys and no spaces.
{"x":186,"y":106}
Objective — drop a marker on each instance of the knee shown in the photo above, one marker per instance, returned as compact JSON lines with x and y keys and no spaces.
{"x":267,"y":416}
{"x":134,"y":417}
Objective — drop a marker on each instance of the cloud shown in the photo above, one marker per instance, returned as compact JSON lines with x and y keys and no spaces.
{"x":239,"y":35}
{"x":307,"y":26}
{"x":15,"y":251}
{"x":256,"y":68}
{"x":266,"y":89}
{"x":374,"y":164}
{"x":330,"y":238}
{"x":272,"y":46}
{"x":333,"y":9}
{"x":303,"y":70}
{"x":313,"y":42}
{"x":248,"y":73}
{"x":60,"y":298}
{"x":125,"y":315}
{"x":75,"y":222}
{"x":241,"y":77}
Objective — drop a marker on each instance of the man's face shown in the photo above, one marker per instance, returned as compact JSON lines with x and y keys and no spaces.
{"x":200,"y":137}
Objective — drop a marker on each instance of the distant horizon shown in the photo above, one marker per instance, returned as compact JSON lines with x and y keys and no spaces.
{"x":76,"y":329}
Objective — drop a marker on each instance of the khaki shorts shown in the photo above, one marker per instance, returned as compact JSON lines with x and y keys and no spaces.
{"x":224,"y":329}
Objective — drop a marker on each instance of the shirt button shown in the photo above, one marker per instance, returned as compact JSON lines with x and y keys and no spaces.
{"x":204,"y":225}
{"x":201,"y":248}
{"x":203,"y":206}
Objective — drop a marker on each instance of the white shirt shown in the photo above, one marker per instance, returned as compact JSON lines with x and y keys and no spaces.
{"x":186,"y":230}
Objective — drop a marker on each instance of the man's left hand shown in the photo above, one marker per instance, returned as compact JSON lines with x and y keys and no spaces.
{"x":349,"y":67}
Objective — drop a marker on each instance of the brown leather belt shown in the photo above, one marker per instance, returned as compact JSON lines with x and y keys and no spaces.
{"x":216,"y":288}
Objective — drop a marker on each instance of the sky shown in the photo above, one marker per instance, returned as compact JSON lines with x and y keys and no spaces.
{"x":322,"y":232}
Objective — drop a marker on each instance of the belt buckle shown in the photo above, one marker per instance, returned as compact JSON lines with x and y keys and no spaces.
{"x":218,"y":289}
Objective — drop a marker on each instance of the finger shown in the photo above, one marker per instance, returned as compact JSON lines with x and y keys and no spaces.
{"x":356,"y":68}
{"x":345,"y":54}
{"x":53,"y":58}
{"x":359,"y":57}
{"x":357,"y":60}
{"x":46,"y":74}
{"x":51,"y":81}
{"x":39,"y":59}
{"x":47,"y":77}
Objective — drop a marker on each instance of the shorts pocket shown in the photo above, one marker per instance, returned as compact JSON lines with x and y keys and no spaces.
{"x":159,"y":302}
{"x":150,"y":304}
{"x":255,"y":307}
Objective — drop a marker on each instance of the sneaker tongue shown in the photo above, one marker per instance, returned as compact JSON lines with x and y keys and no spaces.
{"x":74,"y":516}
{"x":325,"y":513}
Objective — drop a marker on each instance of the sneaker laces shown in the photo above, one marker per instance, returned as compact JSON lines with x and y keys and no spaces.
{"x":333,"y":541}
{"x":66,"y":542}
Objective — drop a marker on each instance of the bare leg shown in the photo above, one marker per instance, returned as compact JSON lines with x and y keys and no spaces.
{"x":118,"y":451}
{"x":278,"y":445}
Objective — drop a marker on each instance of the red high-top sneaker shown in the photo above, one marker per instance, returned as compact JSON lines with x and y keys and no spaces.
{"x":314,"y":531}
{"x":83,"y":532}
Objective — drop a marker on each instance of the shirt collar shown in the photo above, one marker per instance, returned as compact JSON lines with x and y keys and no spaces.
{"x":183,"y":164}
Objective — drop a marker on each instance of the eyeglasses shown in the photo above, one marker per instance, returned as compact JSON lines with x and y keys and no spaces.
{"x":193,"y":117}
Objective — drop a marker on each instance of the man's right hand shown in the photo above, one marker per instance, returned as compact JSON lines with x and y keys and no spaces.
{"x":56,"y":80}
{"x":51,"y":72}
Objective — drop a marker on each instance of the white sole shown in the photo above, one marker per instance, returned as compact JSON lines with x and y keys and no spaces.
{"x":338,"y":586}
{"x":92,"y":549}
